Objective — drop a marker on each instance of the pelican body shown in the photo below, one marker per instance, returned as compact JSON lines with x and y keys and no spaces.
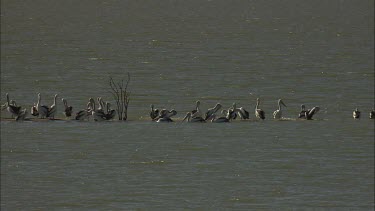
{"x":67,"y":109}
{"x":12,"y":108}
{"x":311,"y":112}
{"x":372,"y":114}
{"x":189,"y":117}
{"x":212,"y":111}
{"x":356,"y":114}
{"x":259,"y":113}
{"x":278,"y":113}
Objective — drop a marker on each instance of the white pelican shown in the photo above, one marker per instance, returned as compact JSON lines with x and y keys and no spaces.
{"x":372,"y":114}
{"x":53,"y":109}
{"x":278,"y":113}
{"x":67,"y":109}
{"x":302,"y":112}
{"x":190,"y":118}
{"x":218,"y":120}
{"x":212,"y":111}
{"x":22,"y":114}
{"x":356,"y":114}
{"x":311,"y":112}
{"x":42,"y":109}
{"x":259,"y":113}
{"x":196,"y":112}
{"x":154,"y":113}
{"x":12,"y":107}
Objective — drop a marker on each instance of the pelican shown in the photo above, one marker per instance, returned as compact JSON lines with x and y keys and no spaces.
{"x":356,"y":114}
{"x":98,"y":115}
{"x":22,"y":114}
{"x":154,"y":113}
{"x":259,"y":113}
{"x":34,"y":110}
{"x":12,"y":107}
{"x":278,"y":113}
{"x":196,"y":112}
{"x":303,"y":111}
{"x":212,"y":111}
{"x":165,"y":115}
{"x":311,"y":112}
{"x":372,"y":114}
{"x":53,"y":109}
{"x":229,"y":114}
{"x":243,"y":113}
{"x":85,"y":113}
{"x":111,"y":113}
{"x":218,"y":120}
{"x":190,"y":118}
{"x":68,"y":109}
{"x":42,"y":109}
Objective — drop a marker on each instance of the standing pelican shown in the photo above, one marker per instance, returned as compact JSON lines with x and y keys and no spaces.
{"x":53,"y":109}
{"x":190,"y":118}
{"x":259,"y":113}
{"x":22,"y":115}
{"x":12,"y":107}
{"x":42,"y":109}
{"x":212,"y":111}
{"x":67,"y":109}
{"x":154,"y":113}
{"x":372,"y":114}
{"x":311,"y":112}
{"x":98,"y":115}
{"x":196,"y":112}
{"x":111,"y":113}
{"x":34,"y":110}
{"x":278,"y":113}
{"x":302,"y":112}
{"x":356,"y":114}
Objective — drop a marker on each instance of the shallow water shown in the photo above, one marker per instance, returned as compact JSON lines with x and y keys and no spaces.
{"x":319,"y":54}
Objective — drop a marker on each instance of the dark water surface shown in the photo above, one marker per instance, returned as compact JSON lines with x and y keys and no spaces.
{"x":320,"y":53}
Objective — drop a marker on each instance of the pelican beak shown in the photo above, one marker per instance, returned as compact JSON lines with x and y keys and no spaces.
{"x":283,"y":103}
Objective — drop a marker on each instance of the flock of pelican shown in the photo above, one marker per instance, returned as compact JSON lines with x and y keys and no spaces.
{"x":103,"y":112}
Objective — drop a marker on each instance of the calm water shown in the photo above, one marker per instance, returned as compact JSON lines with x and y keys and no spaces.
{"x":317,"y":53}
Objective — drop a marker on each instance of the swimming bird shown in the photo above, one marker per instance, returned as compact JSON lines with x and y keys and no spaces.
{"x":67,"y":109}
{"x":259,"y":113}
{"x":311,"y":112}
{"x":53,"y":109}
{"x":372,"y":114}
{"x":356,"y":114}
{"x":278,"y":113}
{"x":212,"y":111}
{"x":12,"y":108}
{"x":21,"y":115}
{"x":189,"y":117}
{"x":42,"y":109}
{"x":154,"y":113}
{"x":302,"y":112}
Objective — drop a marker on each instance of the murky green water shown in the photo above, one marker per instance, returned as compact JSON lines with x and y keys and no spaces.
{"x":317,"y":53}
